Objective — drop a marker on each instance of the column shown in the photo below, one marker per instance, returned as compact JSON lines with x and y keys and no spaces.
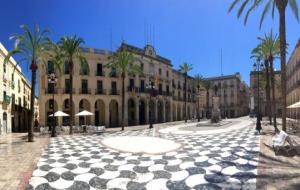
{"x":93,"y":111}
{"x":171,"y":111}
{"x":106,"y":110}
{"x":155,"y":111}
{"x":137,"y":112}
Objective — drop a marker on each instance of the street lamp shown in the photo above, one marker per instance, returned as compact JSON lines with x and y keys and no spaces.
{"x":53,"y":80}
{"x":151,"y":87}
{"x":258,"y":67}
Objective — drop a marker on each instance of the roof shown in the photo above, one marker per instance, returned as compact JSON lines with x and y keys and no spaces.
{"x":294,"y":51}
{"x":141,"y":52}
{"x":236,"y":75}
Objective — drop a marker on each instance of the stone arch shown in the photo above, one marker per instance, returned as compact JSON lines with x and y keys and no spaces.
{"x":152,"y":107}
{"x":160,"y":111}
{"x":174,"y":112}
{"x":113,"y":113}
{"x":84,"y":104}
{"x":4,"y":124}
{"x":142,"y":111}
{"x":49,"y":105}
{"x":99,"y":112}
{"x":168,"y":111}
{"x":66,"y":108}
{"x":131,"y":109}
{"x":178,"y":112}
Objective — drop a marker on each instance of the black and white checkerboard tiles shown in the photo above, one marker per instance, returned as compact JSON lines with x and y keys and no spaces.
{"x":216,"y":161}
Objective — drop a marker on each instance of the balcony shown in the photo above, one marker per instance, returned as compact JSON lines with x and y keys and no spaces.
{"x":68,"y":90}
{"x":100,"y":73}
{"x":85,"y":91}
{"x":113,"y":75}
{"x":6,"y":99}
{"x":51,"y":91}
{"x":132,"y":89}
{"x":142,"y":90}
{"x":114,"y":92}
{"x":100,"y":91}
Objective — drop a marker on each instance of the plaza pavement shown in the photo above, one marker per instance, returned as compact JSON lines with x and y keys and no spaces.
{"x":217,"y":160}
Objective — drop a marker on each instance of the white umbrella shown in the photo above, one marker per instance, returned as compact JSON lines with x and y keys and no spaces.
{"x":59,"y":114}
{"x":84,"y":113}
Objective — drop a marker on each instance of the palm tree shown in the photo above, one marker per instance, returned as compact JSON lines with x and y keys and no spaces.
{"x":262,"y":54}
{"x":184,"y":69}
{"x":271,"y":43}
{"x":281,"y":6}
{"x":207,"y":85}
{"x":123,"y":63}
{"x":31,"y":46}
{"x":198,"y":80}
{"x":72,"y":54}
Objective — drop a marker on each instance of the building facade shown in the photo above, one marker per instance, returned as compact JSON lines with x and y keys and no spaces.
{"x":293,"y":82}
{"x":262,"y":92}
{"x":15,"y":96}
{"x":233,"y":93}
{"x":98,"y":90}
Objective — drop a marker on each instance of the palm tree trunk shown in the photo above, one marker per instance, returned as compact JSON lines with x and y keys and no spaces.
{"x":207,"y":102}
{"x":185,"y":117}
{"x":198,"y":106}
{"x":273,"y":94}
{"x":281,"y":6}
{"x":268,"y":96}
{"x":33,"y":68}
{"x":71,"y":98}
{"x":123,"y":100}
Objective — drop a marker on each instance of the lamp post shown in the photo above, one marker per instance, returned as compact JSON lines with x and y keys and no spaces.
{"x":151,"y":87}
{"x":53,"y":80}
{"x":258,"y":67}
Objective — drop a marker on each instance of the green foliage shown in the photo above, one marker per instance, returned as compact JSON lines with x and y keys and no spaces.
{"x":123,"y":62}
{"x":31,"y":46}
{"x":185,"y":68}
{"x":71,"y":50}
{"x":269,"y":5}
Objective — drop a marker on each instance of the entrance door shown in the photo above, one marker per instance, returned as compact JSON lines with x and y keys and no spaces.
{"x":97,"y":123}
{"x":4,"y":122}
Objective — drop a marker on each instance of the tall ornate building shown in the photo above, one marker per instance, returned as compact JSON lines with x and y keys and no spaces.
{"x":15,"y":96}
{"x":233,"y":93}
{"x":262,"y":91}
{"x":98,"y":90}
{"x":293,"y":81}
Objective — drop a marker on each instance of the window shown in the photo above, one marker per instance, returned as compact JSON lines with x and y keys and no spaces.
{"x":142,"y":87}
{"x":50,"y":67}
{"x":67,"y":86}
{"x":4,"y":67}
{"x":99,"y":87}
{"x":84,"y":86}
{"x":19,"y":101}
{"x":84,"y":71}
{"x":51,"y":103}
{"x":168,"y":91}
{"x":142,"y":66}
{"x":99,"y":69}
{"x":167,"y":73}
{"x":160,"y":88}
{"x":67,"y":68}
{"x":51,"y":87}
{"x":159,"y":71}
{"x":131,"y":83}
{"x":113,"y":87}
{"x":19,"y":86}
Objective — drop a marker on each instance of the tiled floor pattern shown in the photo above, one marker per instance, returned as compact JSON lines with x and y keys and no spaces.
{"x":217,"y":161}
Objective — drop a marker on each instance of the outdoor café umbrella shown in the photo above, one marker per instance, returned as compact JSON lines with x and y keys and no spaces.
{"x":84,"y":113}
{"x":59,"y":114}
{"x":295,"y":105}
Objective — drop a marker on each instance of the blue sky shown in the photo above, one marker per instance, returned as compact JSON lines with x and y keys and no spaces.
{"x":192,"y":31}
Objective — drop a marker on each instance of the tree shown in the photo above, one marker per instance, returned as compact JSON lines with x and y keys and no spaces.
{"x":122,"y":62}
{"x":281,"y":6}
{"x":184,"y":69}
{"x":198,"y":80}
{"x":207,"y":85}
{"x":31,"y":47}
{"x":262,"y":54}
{"x":271,"y":44}
{"x":72,"y":54}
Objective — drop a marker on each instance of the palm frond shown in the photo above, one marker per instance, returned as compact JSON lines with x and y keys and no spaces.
{"x":265,"y":11}
{"x":294,"y":6}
